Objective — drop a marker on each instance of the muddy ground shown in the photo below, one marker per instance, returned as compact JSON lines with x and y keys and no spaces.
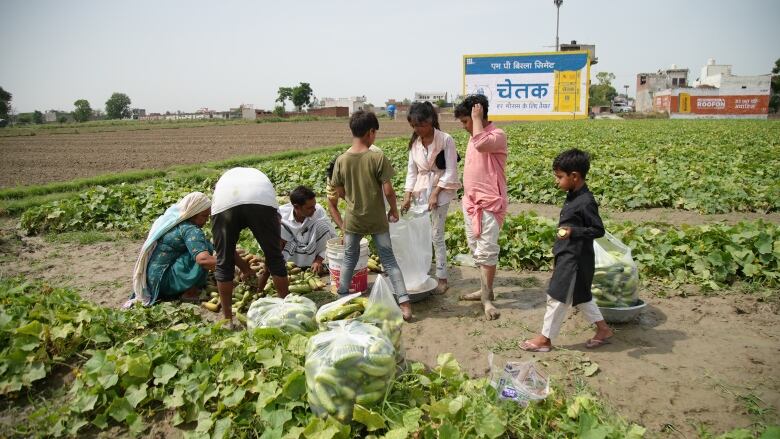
{"x":46,"y":157}
{"x":689,"y":360}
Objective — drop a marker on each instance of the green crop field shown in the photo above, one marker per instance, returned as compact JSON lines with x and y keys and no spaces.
{"x":129,"y":370}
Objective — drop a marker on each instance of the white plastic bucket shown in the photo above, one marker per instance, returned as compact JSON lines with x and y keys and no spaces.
{"x":335,"y":251}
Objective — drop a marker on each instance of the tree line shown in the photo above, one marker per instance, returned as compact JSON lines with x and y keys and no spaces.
{"x":117,"y":107}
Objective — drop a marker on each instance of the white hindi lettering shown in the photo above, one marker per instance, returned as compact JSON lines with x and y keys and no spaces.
{"x":521,"y":91}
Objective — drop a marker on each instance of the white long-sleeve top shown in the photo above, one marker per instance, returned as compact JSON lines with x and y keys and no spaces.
{"x":422,"y":174}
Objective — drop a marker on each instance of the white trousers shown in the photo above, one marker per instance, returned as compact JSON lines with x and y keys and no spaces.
{"x":556,"y":313}
{"x":438,"y":219}
{"x":485,"y":247}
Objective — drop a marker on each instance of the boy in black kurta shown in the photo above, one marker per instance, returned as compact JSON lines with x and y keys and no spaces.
{"x":578,"y":226}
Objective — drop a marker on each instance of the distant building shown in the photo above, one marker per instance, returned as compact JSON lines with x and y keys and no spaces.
{"x":649,"y":83}
{"x":717,"y":94}
{"x":243,"y":111}
{"x":574,"y":47}
{"x":353,"y":103}
{"x":137,"y":113}
{"x":55,"y":115}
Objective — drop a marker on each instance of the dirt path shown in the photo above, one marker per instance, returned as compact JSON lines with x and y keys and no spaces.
{"x":687,"y":361}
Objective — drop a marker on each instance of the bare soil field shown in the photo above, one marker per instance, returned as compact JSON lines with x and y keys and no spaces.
{"x":45,"y":158}
{"x":689,"y":362}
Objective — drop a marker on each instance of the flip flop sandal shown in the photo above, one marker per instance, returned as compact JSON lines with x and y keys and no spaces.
{"x":594,"y":343}
{"x":530,"y":347}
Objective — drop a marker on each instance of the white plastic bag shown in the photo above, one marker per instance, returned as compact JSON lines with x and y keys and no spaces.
{"x":352,"y":362}
{"x":293,"y":314}
{"x":321,"y":316}
{"x":616,"y":277}
{"x":521,"y":382}
{"x":413,"y":247}
{"x":383,"y":312}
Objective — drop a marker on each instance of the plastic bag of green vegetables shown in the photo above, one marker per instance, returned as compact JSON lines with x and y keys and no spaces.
{"x":383,"y":311}
{"x":616,"y":277}
{"x":293,"y":314}
{"x":350,"y":363}
{"x":348,"y":307}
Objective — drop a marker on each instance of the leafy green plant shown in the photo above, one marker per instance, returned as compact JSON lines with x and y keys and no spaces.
{"x":710,"y":255}
{"x":212,"y":382}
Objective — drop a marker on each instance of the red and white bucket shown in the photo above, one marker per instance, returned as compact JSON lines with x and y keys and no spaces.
{"x":335,"y":250}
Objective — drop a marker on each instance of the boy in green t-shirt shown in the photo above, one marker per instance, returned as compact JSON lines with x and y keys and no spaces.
{"x":361,"y":176}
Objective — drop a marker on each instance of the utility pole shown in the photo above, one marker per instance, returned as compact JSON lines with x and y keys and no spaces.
{"x":558,"y":4}
{"x":626,"y":87}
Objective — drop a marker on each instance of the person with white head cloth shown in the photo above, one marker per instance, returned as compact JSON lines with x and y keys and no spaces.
{"x":176,"y":255}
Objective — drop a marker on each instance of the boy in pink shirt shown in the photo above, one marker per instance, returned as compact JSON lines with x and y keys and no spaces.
{"x":484,"y":194}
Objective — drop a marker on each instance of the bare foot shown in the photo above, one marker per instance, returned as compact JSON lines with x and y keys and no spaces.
{"x":539,"y":343}
{"x":441,"y":288}
{"x":406,"y":309}
{"x":603,"y":334}
{"x":491,"y":313}
{"x":475,"y":296}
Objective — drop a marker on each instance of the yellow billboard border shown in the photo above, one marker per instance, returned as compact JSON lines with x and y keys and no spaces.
{"x":535,"y":116}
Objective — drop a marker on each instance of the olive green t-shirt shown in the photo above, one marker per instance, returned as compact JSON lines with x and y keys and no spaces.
{"x":362,"y":175}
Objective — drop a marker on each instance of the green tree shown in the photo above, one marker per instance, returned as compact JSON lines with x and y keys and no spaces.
{"x":441,"y":103}
{"x":774,"y":100}
{"x":62,"y":119}
{"x":5,"y":103}
{"x":118,"y":106}
{"x":83,"y":111}
{"x":37,"y":117}
{"x":602,"y":93}
{"x":285,"y":93}
{"x":279,"y":110}
{"x":300,"y":95}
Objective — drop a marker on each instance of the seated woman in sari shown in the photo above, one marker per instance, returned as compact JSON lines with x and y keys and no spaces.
{"x":176,"y":256}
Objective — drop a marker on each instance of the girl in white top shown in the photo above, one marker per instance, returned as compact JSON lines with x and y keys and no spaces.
{"x":432,"y":177}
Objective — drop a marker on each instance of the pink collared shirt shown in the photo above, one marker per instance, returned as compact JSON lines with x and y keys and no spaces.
{"x":484,"y":178}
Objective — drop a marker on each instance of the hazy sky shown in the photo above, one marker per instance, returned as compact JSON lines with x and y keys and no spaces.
{"x":184,"y":55}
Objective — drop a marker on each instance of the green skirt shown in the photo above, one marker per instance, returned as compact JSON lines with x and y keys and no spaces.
{"x":182,"y":275}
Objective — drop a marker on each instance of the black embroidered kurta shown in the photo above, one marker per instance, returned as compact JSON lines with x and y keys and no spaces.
{"x":574,"y":258}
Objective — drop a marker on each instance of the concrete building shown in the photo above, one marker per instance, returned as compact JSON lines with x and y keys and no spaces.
{"x":719,"y":76}
{"x":647,"y":84}
{"x":575,"y":47}
{"x":717,"y":94}
{"x":431,"y":96}
{"x":137,"y":113}
{"x":353,"y":103}
{"x":55,"y":115}
{"x":244,"y":111}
